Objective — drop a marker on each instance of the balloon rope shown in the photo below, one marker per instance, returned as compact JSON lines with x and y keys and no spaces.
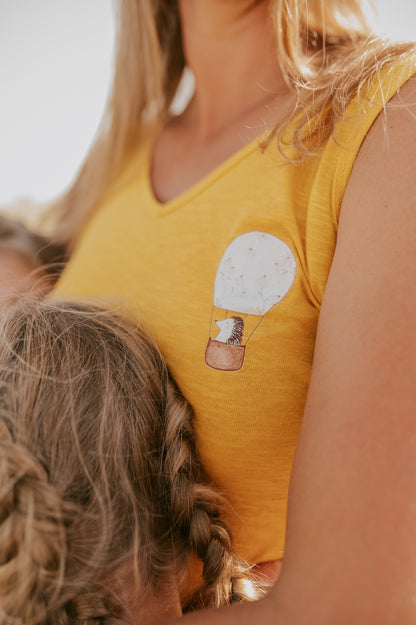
{"x":254,"y":330}
{"x":210,"y":323}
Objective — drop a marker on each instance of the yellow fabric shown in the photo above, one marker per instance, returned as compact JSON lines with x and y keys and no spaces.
{"x":162,"y":260}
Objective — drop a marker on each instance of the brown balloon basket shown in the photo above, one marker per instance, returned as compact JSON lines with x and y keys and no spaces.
{"x":224,"y":357}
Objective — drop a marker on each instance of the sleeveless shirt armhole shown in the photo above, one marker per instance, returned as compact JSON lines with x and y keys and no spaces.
{"x":359,"y":118}
{"x":337,"y":160}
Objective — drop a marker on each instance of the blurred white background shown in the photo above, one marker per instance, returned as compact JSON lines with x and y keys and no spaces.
{"x":55,"y":68}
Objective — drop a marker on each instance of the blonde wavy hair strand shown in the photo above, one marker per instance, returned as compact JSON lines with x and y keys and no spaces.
{"x":327,"y":52}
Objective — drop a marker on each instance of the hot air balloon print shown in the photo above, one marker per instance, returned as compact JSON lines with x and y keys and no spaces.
{"x":254,"y":275}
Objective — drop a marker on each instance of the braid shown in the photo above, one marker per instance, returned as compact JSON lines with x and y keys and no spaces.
{"x":98,"y":467}
{"x":33,"y":547}
{"x":195,"y":509}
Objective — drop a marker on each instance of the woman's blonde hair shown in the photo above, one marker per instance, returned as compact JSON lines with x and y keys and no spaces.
{"x":97,"y":467}
{"x":326,"y":50}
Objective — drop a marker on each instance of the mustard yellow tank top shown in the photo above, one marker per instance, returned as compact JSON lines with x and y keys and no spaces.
{"x":229,"y":279}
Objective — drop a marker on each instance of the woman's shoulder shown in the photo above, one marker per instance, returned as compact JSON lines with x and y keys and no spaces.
{"x":387,"y":155}
{"x":382,"y":110}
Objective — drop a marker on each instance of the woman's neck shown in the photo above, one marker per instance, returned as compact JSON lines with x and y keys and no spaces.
{"x":240,"y":91}
{"x":230,"y":47}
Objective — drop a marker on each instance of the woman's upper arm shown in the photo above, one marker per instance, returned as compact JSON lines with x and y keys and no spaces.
{"x":350,"y":553}
{"x":351,"y":536}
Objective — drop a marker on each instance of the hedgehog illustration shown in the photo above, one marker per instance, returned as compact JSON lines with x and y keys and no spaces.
{"x":231,"y":331}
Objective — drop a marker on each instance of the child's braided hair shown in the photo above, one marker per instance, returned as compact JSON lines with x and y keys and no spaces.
{"x":195,"y":509}
{"x":98,"y":467}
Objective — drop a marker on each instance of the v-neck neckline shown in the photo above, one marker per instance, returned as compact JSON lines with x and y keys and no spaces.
{"x":203,"y":183}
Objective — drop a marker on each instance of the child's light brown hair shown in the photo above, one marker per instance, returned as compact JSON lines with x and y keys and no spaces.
{"x":42,"y":254}
{"x":97,"y":465}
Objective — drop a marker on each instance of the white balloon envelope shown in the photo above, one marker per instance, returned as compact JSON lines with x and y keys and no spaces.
{"x":255,"y":273}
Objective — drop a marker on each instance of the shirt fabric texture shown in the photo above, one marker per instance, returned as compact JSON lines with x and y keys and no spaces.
{"x":257,"y":234}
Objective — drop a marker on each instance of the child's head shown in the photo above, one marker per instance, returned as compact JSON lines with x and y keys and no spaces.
{"x":28,"y":261}
{"x":97,"y":469}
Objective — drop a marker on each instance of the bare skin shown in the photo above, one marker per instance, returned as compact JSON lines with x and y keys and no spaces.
{"x":140,"y":608}
{"x":350,"y":554}
{"x":240,"y":91}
